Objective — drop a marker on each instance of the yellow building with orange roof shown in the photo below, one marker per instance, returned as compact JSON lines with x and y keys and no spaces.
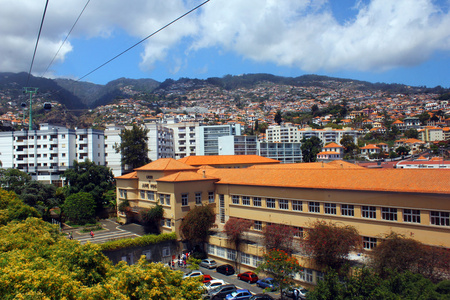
{"x":412,"y":202}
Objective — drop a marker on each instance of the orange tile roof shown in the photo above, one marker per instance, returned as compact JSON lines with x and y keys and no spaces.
{"x":132,"y":175}
{"x":185,"y":176}
{"x":336,"y":164}
{"x":380,"y":180}
{"x":327,"y":152}
{"x":370,"y":146}
{"x":166,"y":164}
{"x":226,"y":160}
{"x":333,"y":145}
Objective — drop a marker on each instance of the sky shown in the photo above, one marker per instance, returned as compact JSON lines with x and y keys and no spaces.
{"x":391,"y":41}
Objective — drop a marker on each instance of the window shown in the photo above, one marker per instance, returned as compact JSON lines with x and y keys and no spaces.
{"x":161,"y":199}
{"x":245,"y":258}
{"x":168,"y":223}
{"x":297,"y":205}
{"x":298,"y":232}
{"x":347,"y":210}
{"x":148,"y":254}
{"x":198,"y":198}
{"x":257,"y":225}
{"x":142,"y":194}
{"x":167,"y":199}
{"x":330,"y":208}
{"x":306,"y":275}
{"x":314,"y":207}
{"x":256,"y":260}
{"x":369,"y":212}
{"x":235,"y":199}
{"x":440,"y":218}
{"x":231,"y":254}
{"x":389,"y":213}
{"x":220,"y":251}
{"x":411,"y":215}
{"x":151,"y":196}
{"x":211,"y":249}
{"x":256,"y":201}
{"x":165,"y":251}
{"x":369,"y":242}
{"x":270,"y":203}
{"x":211,"y":197}
{"x":184,"y":199}
{"x":123,"y":194}
{"x":245,"y":200}
{"x":283,"y":204}
{"x":320,"y":276}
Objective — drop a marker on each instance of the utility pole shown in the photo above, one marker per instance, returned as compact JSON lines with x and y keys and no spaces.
{"x":31,"y":91}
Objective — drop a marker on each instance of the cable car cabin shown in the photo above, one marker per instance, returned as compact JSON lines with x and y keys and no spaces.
{"x":23,"y":105}
{"x":47,"y":106}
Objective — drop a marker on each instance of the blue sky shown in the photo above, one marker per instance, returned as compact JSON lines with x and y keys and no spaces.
{"x":401,"y":41}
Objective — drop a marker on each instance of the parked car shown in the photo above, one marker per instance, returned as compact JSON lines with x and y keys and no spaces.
{"x":208,"y":263}
{"x":240,"y":294}
{"x":225,"y":269}
{"x":261,"y":297}
{"x":192,"y":274}
{"x":290,"y":292}
{"x":250,"y":277}
{"x":267,"y":283}
{"x":213,"y":284}
{"x":220,"y":292}
{"x":206,"y":278}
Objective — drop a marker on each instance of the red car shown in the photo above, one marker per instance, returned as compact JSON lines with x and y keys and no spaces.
{"x":206,"y":278}
{"x":248,"y":276}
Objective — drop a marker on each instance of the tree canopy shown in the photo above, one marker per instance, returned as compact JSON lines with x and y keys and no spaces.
{"x":277,"y":236}
{"x":310,"y":148}
{"x":41,"y":196}
{"x":196,"y":224}
{"x":79,"y":208}
{"x":12,"y":208}
{"x":13,"y":179}
{"x":134,"y":147}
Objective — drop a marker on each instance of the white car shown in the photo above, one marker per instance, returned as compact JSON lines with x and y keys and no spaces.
{"x":208,"y":263}
{"x":213,"y":283}
{"x":191,"y":274}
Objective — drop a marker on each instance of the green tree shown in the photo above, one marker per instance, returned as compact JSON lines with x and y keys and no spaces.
{"x":310,"y":148}
{"x":350,"y":148}
{"x":196,"y":224}
{"x":402,"y":150}
{"x":12,"y":208}
{"x":13,"y":179}
{"x":278,"y":117}
{"x":330,"y":244}
{"x":79,"y":208}
{"x":423,"y":117}
{"x":133,"y":147}
{"x":412,"y":133}
{"x":151,"y":218}
{"x":90,"y":178}
{"x":281,"y":266}
{"x":40,"y":196}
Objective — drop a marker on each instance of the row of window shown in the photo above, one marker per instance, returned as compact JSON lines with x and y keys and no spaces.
{"x":164,"y":199}
{"x":439,"y":218}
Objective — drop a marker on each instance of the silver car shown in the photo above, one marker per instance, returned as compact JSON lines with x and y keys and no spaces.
{"x":208,"y":263}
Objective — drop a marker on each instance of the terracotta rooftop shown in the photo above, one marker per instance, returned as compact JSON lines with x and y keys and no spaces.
{"x":185,"y":176}
{"x":370,"y":146}
{"x":166,"y":164}
{"x":336,"y":164}
{"x":382,"y":180}
{"x":333,"y":145}
{"x":226,"y":160}
{"x":132,"y":175}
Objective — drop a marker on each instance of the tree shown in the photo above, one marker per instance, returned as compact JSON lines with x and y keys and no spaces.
{"x":310,"y":148}
{"x":13,"y":179}
{"x":133,"y":147}
{"x":278,"y":117}
{"x":281,"y":266}
{"x":280,"y":237}
{"x":196,"y":224}
{"x":40,"y":196}
{"x":423,"y":117}
{"x":12,"y":208}
{"x":79,"y":208}
{"x":350,"y":148}
{"x":330,"y":244}
{"x":89,"y":178}
{"x":151,"y":218}
{"x":412,"y":133}
{"x":234,"y":229}
{"x":402,"y":150}
{"x":314,"y":110}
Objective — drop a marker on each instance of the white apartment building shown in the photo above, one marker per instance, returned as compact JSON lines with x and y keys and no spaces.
{"x":113,"y":158}
{"x":46,"y":153}
{"x":284,"y":152}
{"x":160,"y":141}
{"x":283,"y":134}
{"x":184,"y":137}
{"x":238,"y":145}
{"x":208,"y":137}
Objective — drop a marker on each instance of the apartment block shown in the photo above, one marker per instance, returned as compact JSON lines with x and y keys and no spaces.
{"x":208,"y":137}
{"x":238,"y":145}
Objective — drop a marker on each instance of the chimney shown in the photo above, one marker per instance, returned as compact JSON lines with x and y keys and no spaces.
{"x":204,"y":174}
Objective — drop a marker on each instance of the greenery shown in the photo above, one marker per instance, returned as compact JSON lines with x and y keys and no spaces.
{"x":134,"y":147}
{"x":365,"y":284}
{"x":90,"y":178}
{"x":278,"y":118}
{"x":350,"y":148}
{"x":151,"y":218}
{"x":41,"y":196}
{"x":280,"y":237}
{"x":310,"y":148}
{"x":12,"y":208}
{"x":330,"y":244}
{"x":149,"y":239}
{"x":196,"y":224}
{"x":13,"y":179}
{"x":37,"y":262}
{"x":79,"y":208}
{"x":280,"y":266}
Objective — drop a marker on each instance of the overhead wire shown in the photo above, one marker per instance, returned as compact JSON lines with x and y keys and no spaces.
{"x":144,"y":39}
{"x":62,"y":44}
{"x":37,"y":41}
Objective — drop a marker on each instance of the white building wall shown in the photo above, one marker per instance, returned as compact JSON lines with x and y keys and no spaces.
{"x":113,"y":160}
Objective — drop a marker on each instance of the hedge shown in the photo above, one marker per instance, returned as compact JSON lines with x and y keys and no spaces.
{"x":145,"y":240}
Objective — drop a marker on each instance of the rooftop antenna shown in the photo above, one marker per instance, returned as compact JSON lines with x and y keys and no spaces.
{"x":31,"y":91}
